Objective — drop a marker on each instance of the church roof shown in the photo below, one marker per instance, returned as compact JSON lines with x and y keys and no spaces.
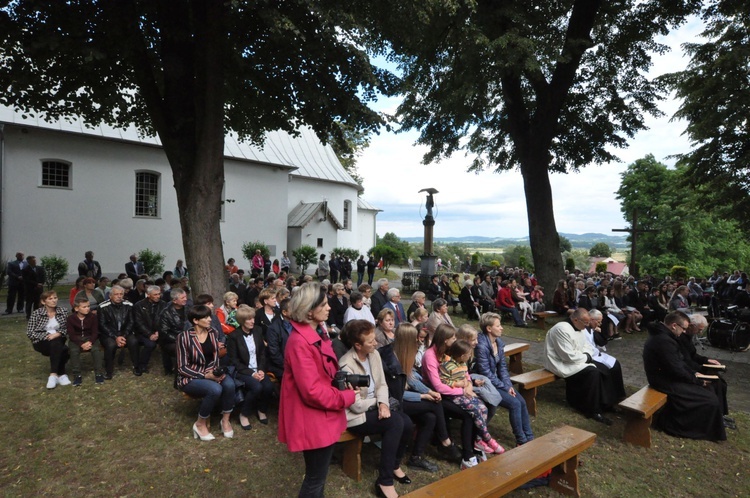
{"x":304,"y":154}
{"x":304,"y":213}
{"x":363,"y":205}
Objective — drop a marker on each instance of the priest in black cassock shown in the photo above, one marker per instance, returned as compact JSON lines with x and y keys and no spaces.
{"x":693,"y":410}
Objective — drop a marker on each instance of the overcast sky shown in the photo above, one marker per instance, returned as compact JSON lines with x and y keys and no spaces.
{"x":492,"y":204}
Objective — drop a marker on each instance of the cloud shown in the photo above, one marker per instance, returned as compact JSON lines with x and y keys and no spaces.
{"x":492,"y":204}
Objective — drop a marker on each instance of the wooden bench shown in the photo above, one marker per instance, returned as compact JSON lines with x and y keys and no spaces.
{"x":641,"y":408}
{"x":527,"y":384}
{"x":351,"y":460}
{"x":541,"y":316}
{"x":502,"y":474}
{"x":514,"y":352}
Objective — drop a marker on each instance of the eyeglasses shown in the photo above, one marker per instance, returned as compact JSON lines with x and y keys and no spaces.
{"x":684,"y":329}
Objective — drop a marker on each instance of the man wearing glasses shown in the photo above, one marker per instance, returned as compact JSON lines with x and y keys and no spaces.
{"x":693,"y":410}
{"x":590,"y":386}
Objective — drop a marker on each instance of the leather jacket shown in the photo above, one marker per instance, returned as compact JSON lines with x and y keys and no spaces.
{"x":115,"y":320}
{"x":146,"y":316}
{"x":171,"y":323}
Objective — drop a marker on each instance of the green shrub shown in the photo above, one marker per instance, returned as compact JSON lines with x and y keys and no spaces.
{"x":249,"y":248}
{"x":522,"y":263}
{"x":304,"y":256}
{"x":153,"y":262}
{"x":570,"y":265}
{"x":388,"y":253}
{"x":601,"y":266}
{"x":679,"y":273}
{"x":55,"y":269}
{"x":495,"y":263}
{"x":352,"y":254}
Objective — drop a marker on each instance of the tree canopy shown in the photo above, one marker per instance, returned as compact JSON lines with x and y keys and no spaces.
{"x":715,"y":93}
{"x":600,"y":250}
{"x":189,"y":71}
{"x":538,"y":85}
{"x":703,"y":240}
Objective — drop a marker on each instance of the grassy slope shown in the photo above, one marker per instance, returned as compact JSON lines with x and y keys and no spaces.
{"x":132,"y":438}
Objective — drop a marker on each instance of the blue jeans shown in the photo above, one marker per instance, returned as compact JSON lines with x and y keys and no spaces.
{"x":514,"y":312}
{"x":518,"y":416}
{"x":211,"y":392}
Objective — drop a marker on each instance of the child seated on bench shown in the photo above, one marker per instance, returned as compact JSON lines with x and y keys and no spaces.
{"x":455,"y":373}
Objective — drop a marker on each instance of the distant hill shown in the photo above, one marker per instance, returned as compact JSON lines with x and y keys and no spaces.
{"x":577,"y":240}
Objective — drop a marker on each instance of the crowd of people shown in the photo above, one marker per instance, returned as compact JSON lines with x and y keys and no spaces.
{"x":319,"y":339}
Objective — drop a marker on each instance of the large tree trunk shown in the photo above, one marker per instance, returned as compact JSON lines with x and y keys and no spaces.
{"x":543,"y":237}
{"x":187,"y":110}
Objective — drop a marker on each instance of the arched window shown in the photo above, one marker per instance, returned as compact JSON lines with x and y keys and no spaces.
{"x":147,"y":194}
{"x":56,"y":174}
{"x":347,"y":215}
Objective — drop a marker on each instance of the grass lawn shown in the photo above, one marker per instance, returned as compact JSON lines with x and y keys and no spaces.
{"x":132,"y":437}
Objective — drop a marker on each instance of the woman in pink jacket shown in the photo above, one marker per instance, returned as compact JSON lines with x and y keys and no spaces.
{"x":311,"y":411}
{"x":445,"y":335}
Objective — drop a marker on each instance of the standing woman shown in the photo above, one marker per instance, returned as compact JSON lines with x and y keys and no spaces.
{"x":286,"y":263}
{"x":197,"y":363}
{"x":312,"y":412}
{"x":324,"y":269}
{"x":180,"y":270}
{"x":371,"y":412}
{"x":47,"y":330}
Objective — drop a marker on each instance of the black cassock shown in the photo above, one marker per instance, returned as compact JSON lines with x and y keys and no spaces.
{"x":692,"y":411}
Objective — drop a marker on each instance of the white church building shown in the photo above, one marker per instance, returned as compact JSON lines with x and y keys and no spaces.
{"x":67,"y":188}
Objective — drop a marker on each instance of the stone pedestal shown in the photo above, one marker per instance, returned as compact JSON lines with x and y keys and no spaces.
{"x":427,"y":269}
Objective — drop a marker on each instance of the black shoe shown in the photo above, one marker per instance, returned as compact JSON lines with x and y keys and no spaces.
{"x":107,"y":376}
{"x":418,"y":462}
{"x":168,"y":372}
{"x":137,"y":371}
{"x":99,"y":379}
{"x":601,"y":419}
{"x":402,"y":480}
{"x":730,"y":423}
{"x":379,"y":491}
{"x":522,"y":326}
{"x":7,"y":312}
{"x":77,"y":381}
{"x":450,"y":453}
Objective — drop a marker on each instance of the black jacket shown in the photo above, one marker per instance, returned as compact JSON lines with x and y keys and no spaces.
{"x":239,"y":356}
{"x":338,"y":309}
{"x":276,"y":337}
{"x":394,"y":374}
{"x":171,"y":323}
{"x":146,"y":316}
{"x":115,"y":320}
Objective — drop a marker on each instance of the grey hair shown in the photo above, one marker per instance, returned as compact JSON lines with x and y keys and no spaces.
{"x":152,"y":288}
{"x":595,"y":314}
{"x":418,"y":295}
{"x":176,"y":292}
{"x":126,"y":283}
{"x":381,"y":282}
{"x":392,"y":292}
{"x":698,"y":320}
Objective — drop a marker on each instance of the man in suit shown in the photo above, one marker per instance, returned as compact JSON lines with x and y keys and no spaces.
{"x":33,"y":284}
{"x":394,"y":303}
{"x":15,"y":284}
{"x":90,"y":268}
{"x":134,"y":268}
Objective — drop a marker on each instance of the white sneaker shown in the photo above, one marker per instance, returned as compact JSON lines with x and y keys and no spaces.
{"x":52,"y":382}
{"x":471,"y":462}
{"x":63,"y":380}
